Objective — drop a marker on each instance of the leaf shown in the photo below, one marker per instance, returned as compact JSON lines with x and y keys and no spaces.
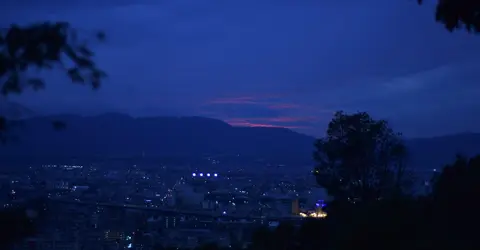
{"x":11,"y":85}
{"x":43,"y":45}
{"x":74,"y":74}
{"x":83,"y":62}
{"x":14,"y":40}
{"x":85,"y":51}
{"x":95,"y":84}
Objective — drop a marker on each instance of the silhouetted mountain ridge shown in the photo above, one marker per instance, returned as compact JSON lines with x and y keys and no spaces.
{"x":437,"y":151}
{"x":121,"y":135}
{"x":13,"y":110}
{"x":117,"y":135}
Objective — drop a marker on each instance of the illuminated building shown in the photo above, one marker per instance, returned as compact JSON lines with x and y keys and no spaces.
{"x":317,"y":213}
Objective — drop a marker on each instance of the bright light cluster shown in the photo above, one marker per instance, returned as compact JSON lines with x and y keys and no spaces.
{"x":202,"y":175}
{"x":314,"y":215}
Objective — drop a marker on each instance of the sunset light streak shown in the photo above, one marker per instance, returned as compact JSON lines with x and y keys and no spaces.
{"x":238,"y":122}
{"x":267,"y":111}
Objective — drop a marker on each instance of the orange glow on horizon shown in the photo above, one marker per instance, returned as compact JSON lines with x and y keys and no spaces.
{"x":257,"y":125}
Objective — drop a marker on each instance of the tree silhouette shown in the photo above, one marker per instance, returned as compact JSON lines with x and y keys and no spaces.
{"x":455,"y":204}
{"x":458,"y":181}
{"x":457,"y":14}
{"x":361,"y":159}
{"x":262,"y":239}
{"x":44,"y":46}
{"x":208,"y":246}
{"x":284,"y":236}
{"x":446,"y":218}
{"x":315,"y":234}
{"x":20,"y":221}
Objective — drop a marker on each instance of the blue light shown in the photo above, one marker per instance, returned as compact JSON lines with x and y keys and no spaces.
{"x":224,"y":212}
{"x":201,"y":174}
{"x":208,"y":174}
{"x":193,"y":174}
{"x":215,"y":174}
{"x":320,"y":203}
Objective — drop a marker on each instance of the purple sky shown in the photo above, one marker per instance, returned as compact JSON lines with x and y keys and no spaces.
{"x":285,"y":63}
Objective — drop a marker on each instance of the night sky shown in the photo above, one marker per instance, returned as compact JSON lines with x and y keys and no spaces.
{"x":288,"y":63}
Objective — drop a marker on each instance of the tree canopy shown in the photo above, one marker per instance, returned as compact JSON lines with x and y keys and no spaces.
{"x":44,"y":46}
{"x":458,"y":14}
{"x":457,"y":186}
{"x":361,"y":158}
{"x":445,"y":218}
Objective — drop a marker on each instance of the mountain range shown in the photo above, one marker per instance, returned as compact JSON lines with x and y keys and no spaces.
{"x":117,"y":135}
{"x":13,"y":110}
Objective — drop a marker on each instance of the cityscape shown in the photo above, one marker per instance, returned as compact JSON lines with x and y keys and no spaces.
{"x":94,"y":207}
{"x":239,"y":125}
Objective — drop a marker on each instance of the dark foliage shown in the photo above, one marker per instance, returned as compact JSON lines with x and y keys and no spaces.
{"x":20,"y":221}
{"x":455,"y":198}
{"x":445,"y":219}
{"x":458,"y":14}
{"x":361,"y":159}
{"x":44,"y":46}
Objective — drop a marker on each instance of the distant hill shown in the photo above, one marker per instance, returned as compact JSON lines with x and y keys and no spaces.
{"x":437,"y":151}
{"x":13,"y":110}
{"x":118,"y":135}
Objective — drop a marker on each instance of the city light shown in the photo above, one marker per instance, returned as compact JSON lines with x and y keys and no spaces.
{"x":206,"y":174}
{"x":320,"y":203}
{"x":319,"y":214}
